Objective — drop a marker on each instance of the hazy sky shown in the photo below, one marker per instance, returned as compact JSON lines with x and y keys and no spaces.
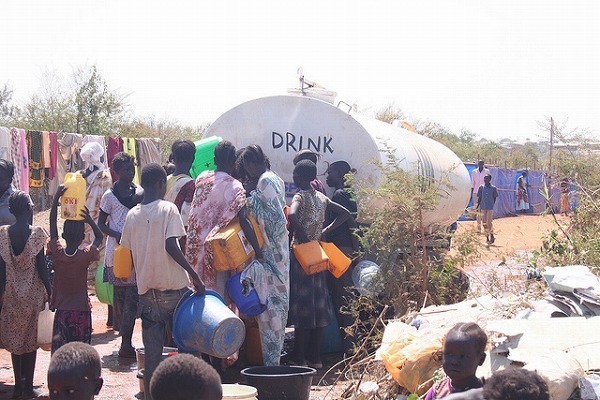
{"x":492,"y":67}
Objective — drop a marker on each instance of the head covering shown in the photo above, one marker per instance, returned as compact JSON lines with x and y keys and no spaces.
{"x":305,"y":154}
{"x":92,"y":153}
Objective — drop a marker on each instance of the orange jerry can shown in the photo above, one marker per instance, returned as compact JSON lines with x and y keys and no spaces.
{"x":72,"y":202}
{"x":338,"y":262}
{"x":231,"y":248}
{"x":123,"y":262}
{"x":311,"y":257}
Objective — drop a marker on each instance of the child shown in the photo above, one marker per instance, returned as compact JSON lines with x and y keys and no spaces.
{"x":73,"y":318}
{"x":516,"y":384}
{"x":185,"y":377}
{"x":114,"y":206}
{"x":310,"y":311}
{"x":74,"y":372}
{"x":486,"y":198}
{"x":180,"y":185}
{"x":151,"y":231}
{"x":464,"y":351}
{"x":23,"y":277}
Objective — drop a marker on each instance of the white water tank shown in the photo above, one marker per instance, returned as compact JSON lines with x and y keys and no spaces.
{"x":283,"y":125}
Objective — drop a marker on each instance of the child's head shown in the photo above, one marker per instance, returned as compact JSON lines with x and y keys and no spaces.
{"x":73,"y":232}
{"x":304,"y":173}
{"x":487,"y":179}
{"x":74,"y":372}
{"x":7,"y":172}
{"x":124,"y":165}
{"x":254,"y":160}
{"x":336,"y":173}
{"x":225,"y":156}
{"x":185,"y":377}
{"x":20,"y":204}
{"x":169,"y":168}
{"x":464,"y":351}
{"x":516,"y":384}
{"x":154,"y":179}
{"x":183,"y":152}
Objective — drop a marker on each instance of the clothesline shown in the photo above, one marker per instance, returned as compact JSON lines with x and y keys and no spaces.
{"x":46,"y":156}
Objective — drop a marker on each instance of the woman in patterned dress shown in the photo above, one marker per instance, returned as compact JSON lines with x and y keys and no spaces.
{"x":218,"y":199}
{"x":266,"y":203}
{"x":24,"y":284}
{"x":310,"y":310}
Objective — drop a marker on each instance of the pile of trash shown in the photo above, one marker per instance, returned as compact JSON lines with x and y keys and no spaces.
{"x":556,"y":336}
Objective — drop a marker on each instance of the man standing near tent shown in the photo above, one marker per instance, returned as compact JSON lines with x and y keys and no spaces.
{"x":477,"y":177}
{"x":486,"y":198}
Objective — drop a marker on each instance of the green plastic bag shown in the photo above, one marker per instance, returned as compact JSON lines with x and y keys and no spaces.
{"x":104,"y":290}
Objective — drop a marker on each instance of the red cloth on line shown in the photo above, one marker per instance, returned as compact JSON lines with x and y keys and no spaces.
{"x":115,"y":145}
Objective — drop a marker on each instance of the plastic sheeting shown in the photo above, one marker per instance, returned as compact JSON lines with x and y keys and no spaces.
{"x":505,"y":180}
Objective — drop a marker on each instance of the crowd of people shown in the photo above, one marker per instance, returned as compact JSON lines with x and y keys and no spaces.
{"x":167,"y":224}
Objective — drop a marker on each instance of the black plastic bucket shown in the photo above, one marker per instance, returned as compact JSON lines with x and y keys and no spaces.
{"x":282,"y":382}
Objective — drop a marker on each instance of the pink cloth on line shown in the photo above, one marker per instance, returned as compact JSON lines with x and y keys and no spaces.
{"x":25,"y":166}
{"x":115,"y":145}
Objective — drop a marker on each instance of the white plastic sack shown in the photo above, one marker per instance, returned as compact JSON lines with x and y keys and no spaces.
{"x":44,"y":328}
{"x":560,"y":370}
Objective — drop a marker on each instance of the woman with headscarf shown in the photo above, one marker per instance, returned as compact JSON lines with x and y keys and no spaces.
{"x":266,"y":203}
{"x":98,"y":181}
{"x":7,"y":171}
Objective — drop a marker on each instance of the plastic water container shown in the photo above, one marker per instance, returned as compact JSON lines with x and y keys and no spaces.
{"x":204,"y":159}
{"x":206,"y":324}
{"x":338,"y":262}
{"x":123,"y":262}
{"x":72,"y":202}
{"x":363,"y":275}
{"x":44,"y":328}
{"x":238,"y":392}
{"x":311,"y":257}
{"x":104,"y":290}
{"x":252,"y":344}
{"x":246,"y":299}
{"x":231,"y":248}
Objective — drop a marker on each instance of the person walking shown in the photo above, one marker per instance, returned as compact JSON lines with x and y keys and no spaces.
{"x":476,"y":182}
{"x":486,"y":198}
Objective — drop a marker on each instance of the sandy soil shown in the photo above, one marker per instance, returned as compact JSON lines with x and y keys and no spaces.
{"x":521,"y":233}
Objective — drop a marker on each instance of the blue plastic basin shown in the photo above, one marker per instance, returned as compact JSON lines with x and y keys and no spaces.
{"x":206,"y":324}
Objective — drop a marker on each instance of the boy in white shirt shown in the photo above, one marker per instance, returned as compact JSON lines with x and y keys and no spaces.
{"x":151,"y":232}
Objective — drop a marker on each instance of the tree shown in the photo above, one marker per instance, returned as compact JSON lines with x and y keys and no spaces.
{"x":99,"y":110}
{"x":7,"y":111}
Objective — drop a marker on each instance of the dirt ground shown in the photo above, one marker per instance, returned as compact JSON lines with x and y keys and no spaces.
{"x":513,"y":234}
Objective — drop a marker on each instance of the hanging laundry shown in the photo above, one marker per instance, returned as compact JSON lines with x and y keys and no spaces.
{"x":46,"y":148}
{"x":67,"y":160}
{"x":16,"y":157}
{"x":129,"y":148}
{"x":115,"y":145}
{"x":24,"y":182}
{"x":53,"y":155}
{"x":148,"y":151}
{"x":4,"y":143}
{"x":36,"y":159}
